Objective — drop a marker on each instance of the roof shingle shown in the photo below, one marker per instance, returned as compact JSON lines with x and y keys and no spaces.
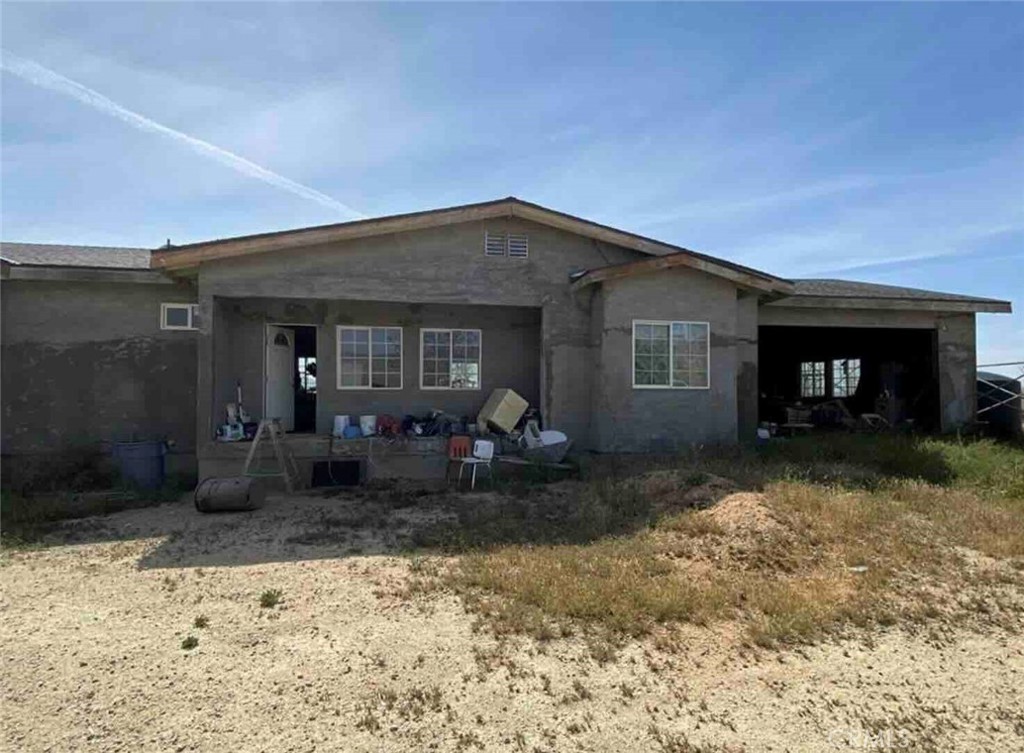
{"x":59,"y":255}
{"x":826,"y":288}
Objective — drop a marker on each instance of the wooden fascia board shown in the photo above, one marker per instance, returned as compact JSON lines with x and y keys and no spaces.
{"x":678,"y":260}
{"x":191,"y":256}
{"x":85,"y":274}
{"x":894,"y":304}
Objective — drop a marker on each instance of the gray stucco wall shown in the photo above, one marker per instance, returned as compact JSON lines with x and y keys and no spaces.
{"x":444,"y":265}
{"x":955,"y":335}
{"x":746,"y":368}
{"x":510,"y":354}
{"x":632,"y":419}
{"x":86,"y":363}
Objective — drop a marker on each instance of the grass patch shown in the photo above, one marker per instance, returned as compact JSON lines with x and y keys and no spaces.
{"x":842,"y":531}
{"x":271,"y":598}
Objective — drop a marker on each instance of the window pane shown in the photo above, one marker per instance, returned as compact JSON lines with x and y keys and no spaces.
{"x":175,"y":316}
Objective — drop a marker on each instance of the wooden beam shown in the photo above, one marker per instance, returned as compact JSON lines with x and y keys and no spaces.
{"x":893,"y":304}
{"x":187,"y":256}
{"x":680,"y":259}
{"x":89,"y":274}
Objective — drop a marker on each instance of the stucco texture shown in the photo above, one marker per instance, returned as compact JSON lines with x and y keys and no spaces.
{"x":631,"y":419}
{"x":85,"y":364}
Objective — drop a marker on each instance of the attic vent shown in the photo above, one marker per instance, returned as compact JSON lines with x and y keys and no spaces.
{"x":518,"y":245}
{"x":494,"y":244}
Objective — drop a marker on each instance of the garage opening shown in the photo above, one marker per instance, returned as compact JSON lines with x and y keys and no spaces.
{"x":830,"y":376}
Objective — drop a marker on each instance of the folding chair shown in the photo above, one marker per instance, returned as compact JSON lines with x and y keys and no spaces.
{"x":483,"y":453}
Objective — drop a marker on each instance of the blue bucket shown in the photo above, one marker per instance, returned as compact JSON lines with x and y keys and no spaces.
{"x":141,"y":463}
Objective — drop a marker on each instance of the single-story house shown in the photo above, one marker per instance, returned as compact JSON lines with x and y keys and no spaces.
{"x":623,"y":342}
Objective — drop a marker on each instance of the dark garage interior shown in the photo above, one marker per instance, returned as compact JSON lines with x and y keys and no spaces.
{"x":889,"y":372}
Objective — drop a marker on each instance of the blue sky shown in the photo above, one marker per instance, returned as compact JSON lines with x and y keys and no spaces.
{"x":874,"y":142}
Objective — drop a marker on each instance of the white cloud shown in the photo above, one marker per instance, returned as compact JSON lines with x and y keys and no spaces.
{"x":41,"y":76}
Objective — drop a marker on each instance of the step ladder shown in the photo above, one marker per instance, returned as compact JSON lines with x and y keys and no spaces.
{"x":288,"y":466}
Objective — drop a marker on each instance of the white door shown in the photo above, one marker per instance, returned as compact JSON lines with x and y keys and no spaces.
{"x":280,"y":390}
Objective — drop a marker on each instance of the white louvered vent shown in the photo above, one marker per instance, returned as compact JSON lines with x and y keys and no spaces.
{"x":494,"y":244}
{"x":518,"y":245}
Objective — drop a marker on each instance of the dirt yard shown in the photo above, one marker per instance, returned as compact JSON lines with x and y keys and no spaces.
{"x":144,"y":631}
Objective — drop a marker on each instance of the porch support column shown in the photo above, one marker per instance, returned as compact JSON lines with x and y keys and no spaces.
{"x":205,"y":343}
{"x":958,"y":367}
{"x":746,"y":366}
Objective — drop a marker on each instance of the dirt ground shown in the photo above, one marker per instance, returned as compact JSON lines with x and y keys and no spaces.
{"x":91,"y":632}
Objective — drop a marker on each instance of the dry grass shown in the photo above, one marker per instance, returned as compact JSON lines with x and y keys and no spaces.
{"x":860,"y":531}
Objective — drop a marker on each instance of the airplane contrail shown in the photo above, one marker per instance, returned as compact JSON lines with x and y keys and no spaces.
{"x":40,"y":76}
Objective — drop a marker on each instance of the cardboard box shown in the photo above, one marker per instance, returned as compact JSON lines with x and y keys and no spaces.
{"x":502,"y":410}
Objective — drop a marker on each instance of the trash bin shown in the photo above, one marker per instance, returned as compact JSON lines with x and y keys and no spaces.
{"x":141,"y":463}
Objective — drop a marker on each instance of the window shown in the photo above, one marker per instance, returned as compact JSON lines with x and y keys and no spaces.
{"x":845,"y":377}
{"x":513,"y":245}
{"x":812,"y":379}
{"x":671,"y":355}
{"x":179,"y":316}
{"x":369,"y":358}
{"x":450,"y":359}
{"x":307,"y":374}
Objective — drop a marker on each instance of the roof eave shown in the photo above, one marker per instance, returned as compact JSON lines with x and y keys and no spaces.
{"x":896,"y":304}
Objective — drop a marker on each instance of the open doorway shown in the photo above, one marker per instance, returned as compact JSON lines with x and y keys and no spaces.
{"x":291,"y":366}
{"x":876,"y":370}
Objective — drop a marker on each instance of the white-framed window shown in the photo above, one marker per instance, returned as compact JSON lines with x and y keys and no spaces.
{"x":812,"y":379}
{"x":450,"y":359}
{"x":671,"y":355}
{"x":845,"y":376}
{"x":179,"y":316}
{"x":369,"y":358}
{"x":513,"y":245}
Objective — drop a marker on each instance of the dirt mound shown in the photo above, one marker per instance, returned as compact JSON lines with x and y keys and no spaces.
{"x":743,"y":512}
{"x":679,"y":490}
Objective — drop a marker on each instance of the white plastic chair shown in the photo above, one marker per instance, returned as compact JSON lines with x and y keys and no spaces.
{"x":483,"y":453}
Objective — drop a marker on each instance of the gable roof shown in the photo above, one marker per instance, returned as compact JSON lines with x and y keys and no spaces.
{"x":739,"y":274}
{"x":829,"y":292}
{"x":61,"y":255}
{"x":183,"y":257}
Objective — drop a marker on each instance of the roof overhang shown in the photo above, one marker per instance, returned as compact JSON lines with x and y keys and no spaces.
{"x":742,"y":276}
{"x":181,"y":258}
{"x":87,"y":274}
{"x":895,"y":304}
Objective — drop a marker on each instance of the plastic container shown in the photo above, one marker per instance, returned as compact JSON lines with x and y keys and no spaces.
{"x":235,"y":494}
{"x":141,"y":463}
{"x":340,"y":423}
{"x":368,"y":425}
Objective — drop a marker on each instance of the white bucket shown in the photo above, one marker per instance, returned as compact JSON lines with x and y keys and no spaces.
{"x":340,"y":422}
{"x":368,"y":425}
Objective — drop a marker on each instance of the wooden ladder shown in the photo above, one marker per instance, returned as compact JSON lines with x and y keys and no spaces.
{"x":289,"y":467}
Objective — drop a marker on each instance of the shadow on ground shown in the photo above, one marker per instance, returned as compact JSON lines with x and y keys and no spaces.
{"x":621,"y":494}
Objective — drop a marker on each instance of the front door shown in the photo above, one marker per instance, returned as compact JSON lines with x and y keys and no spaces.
{"x":280,"y":387}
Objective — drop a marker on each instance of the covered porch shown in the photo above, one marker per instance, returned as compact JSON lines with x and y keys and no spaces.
{"x":307,"y":361}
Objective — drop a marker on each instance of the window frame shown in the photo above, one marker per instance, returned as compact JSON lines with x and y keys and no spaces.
{"x":824,"y":379}
{"x":837,"y":369}
{"x":451,"y":353}
{"x":671,"y":356}
{"x":368,"y":328}
{"x":191,"y":308}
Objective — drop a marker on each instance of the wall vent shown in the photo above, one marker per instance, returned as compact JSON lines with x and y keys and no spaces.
{"x":494,"y":244}
{"x":518,"y":245}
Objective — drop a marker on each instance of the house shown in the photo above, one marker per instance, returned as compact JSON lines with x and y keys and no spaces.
{"x":623,"y":342}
